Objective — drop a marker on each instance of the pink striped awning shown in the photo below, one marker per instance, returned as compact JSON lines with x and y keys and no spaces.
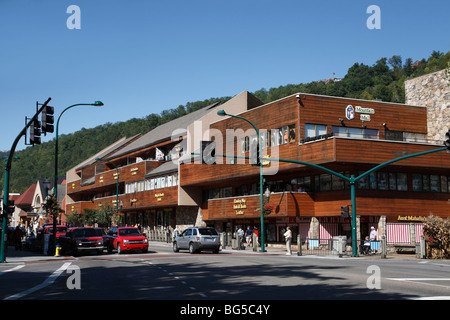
{"x":398,"y":233}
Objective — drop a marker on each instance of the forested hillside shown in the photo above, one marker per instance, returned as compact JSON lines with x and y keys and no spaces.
{"x":383,"y":80}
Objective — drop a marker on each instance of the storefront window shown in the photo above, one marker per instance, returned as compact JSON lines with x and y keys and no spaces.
{"x":435,"y":184}
{"x":383,"y":181}
{"x":314,"y":130}
{"x":361,"y":133}
{"x":402,"y":182}
{"x":392,"y":181}
{"x":417,"y":182}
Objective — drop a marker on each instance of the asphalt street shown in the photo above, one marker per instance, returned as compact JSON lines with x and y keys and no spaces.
{"x":230,"y":275}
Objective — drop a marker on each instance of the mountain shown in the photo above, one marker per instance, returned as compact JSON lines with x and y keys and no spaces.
{"x":383,"y":80}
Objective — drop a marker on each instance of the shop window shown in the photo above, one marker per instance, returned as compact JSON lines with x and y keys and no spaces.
{"x":282,"y":135}
{"x":323,"y":182}
{"x":314,"y":130}
{"x":301,"y":184}
{"x":383,"y":181}
{"x":435,"y":184}
{"x":361,"y":133}
{"x":392,"y":181}
{"x":402,"y":182}
{"x":417,"y":182}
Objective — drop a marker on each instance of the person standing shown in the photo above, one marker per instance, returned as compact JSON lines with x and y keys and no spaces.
{"x":248,"y":236}
{"x":288,"y":238}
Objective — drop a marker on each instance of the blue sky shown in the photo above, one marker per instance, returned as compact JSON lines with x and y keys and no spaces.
{"x":144,"y":56}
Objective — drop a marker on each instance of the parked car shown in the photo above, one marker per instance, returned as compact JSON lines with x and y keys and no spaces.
{"x":82,"y":239}
{"x":197,"y":239}
{"x":101,"y":232}
{"x":126,"y":239}
{"x":60,"y":230}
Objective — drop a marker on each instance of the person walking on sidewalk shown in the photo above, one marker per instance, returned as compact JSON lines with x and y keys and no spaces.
{"x":288,"y":238}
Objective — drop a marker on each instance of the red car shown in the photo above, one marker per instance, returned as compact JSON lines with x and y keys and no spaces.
{"x":126,"y":239}
{"x":78,"y":240}
{"x":60,"y":230}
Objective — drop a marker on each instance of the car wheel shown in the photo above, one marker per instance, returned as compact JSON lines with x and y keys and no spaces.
{"x":110,"y":249}
{"x":192,"y":248}
{"x":216,"y":250}
{"x":119,"y":250}
{"x":175,"y":247}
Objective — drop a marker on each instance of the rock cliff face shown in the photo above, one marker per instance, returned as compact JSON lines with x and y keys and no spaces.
{"x":432,"y":91}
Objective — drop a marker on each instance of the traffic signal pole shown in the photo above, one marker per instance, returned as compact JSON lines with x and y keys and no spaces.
{"x":8,"y":162}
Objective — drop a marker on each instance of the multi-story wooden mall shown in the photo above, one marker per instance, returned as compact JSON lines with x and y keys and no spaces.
{"x":159,"y":182}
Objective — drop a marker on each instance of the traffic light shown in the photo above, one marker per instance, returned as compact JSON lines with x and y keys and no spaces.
{"x":447,"y":141}
{"x":35,"y":133}
{"x":48,"y":120}
{"x":10,"y":206}
{"x":345,"y":212}
{"x":208,"y":152}
{"x":255,"y":154}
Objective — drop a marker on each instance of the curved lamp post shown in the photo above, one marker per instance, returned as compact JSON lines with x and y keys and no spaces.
{"x":261,"y":187}
{"x":55,"y":192}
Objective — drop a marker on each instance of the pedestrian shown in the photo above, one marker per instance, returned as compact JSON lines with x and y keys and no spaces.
{"x":18,"y":234}
{"x":288,"y":238}
{"x":248,"y":236}
{"x":373,"y":234}
{"x":256,"y":232}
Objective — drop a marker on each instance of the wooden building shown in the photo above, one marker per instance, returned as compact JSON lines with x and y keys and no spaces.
{"x":345,"y":135}
{"x":162,"y":185}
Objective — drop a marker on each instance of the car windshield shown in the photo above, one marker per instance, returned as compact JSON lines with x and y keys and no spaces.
{"x":129,"y":232}
{"x":207,"y":232}
{"x":58,"y":229}
{"x":84,"y":233}
{"x":100,"y":232}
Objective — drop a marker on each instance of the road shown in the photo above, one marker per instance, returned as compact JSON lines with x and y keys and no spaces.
{"x":239,"y":276}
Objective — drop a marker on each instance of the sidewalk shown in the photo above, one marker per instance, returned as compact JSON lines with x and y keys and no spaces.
{"x":13,"y":256}
{"x":20,"y":257}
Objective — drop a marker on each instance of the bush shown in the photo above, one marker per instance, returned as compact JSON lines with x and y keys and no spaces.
{"x":437,"y":234}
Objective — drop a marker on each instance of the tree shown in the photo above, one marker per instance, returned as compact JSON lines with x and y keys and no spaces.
{"x":437,"y":233}
{"x":75,"y":219}
{"x":51,"y":206}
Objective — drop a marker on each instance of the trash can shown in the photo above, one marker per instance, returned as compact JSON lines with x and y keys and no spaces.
{"x":339,"y":243}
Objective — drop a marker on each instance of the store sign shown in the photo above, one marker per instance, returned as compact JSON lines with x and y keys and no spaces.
{"x":411,"y":218}
{"x":364,"y":110}
{"x":350,"y":112}
{"x":238,"y":205}
{"x":159,"y":196}
{"x":365,"y":116}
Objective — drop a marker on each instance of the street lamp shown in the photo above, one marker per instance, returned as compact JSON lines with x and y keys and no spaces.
{"x":55,"y":192}
{"x":117,"y":182}
{"x":223,"y":113}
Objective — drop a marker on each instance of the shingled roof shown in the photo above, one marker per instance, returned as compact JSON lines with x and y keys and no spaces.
{"x":164,"y":132}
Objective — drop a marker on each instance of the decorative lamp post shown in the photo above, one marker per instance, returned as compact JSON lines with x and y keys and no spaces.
{"x":223,"y":113}
{"x":55,"y":191}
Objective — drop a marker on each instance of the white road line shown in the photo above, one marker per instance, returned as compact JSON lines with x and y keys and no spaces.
{"x":430,"y":298}
{"x":419,"y":279}
{"x":44,"y":284}
{"x":12,"y":269}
